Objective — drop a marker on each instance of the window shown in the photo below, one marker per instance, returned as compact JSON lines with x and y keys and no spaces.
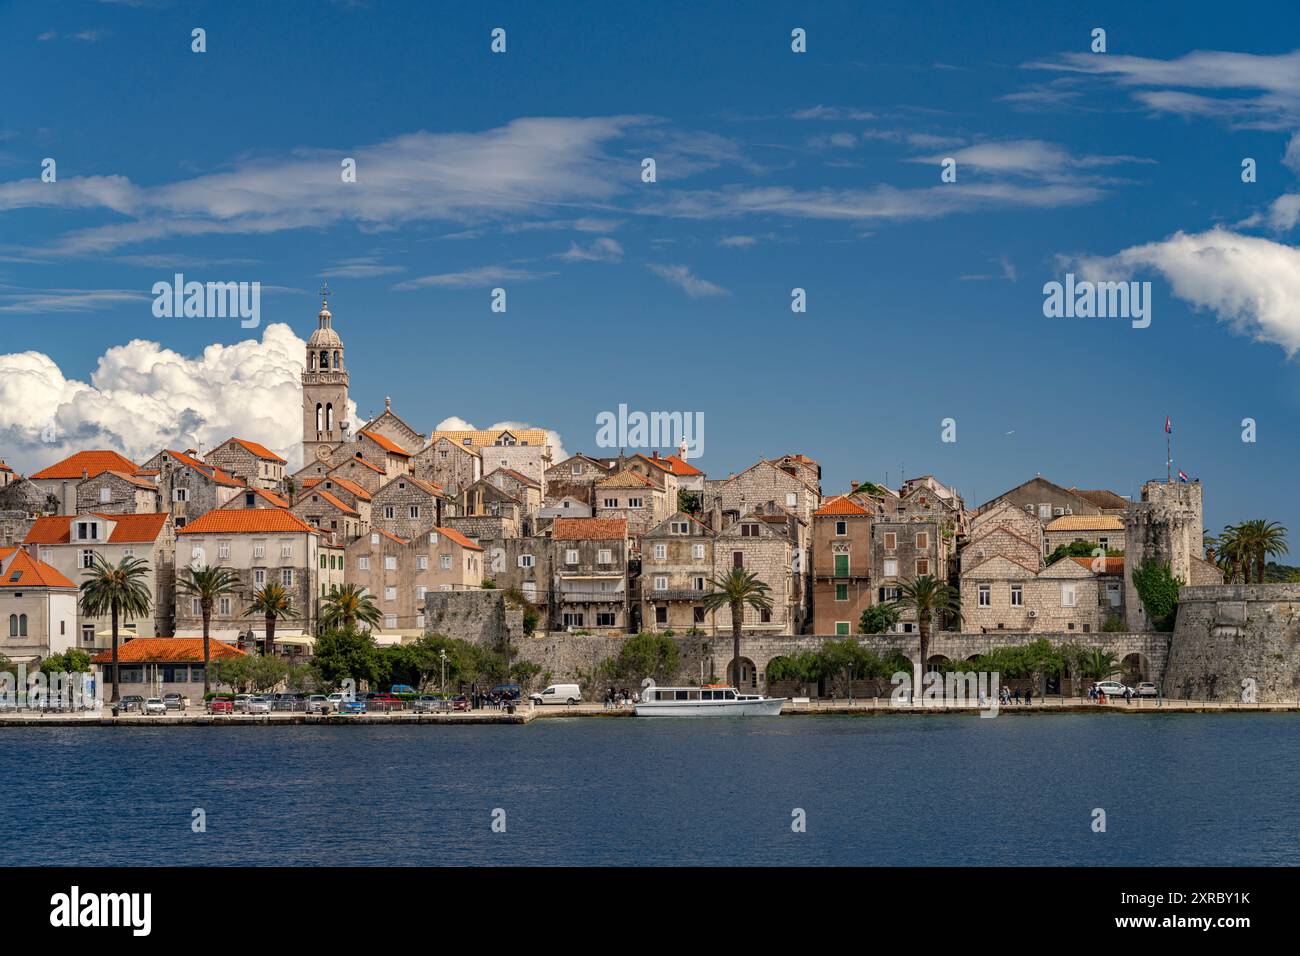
{"x":986,"y":596}
{"x":415,"y":511}
{"x":390,"y":594}
{"x":128,"y":552}
{"x":530,"y":589}
{"x":571,"y":556}
{"x":891,"y":540}
{"x":322,"y":562}
{"x":611,"y":502}
{"x":661,"y":615}
{"x":374,"y":538}
{"x":891,"y":568}
{"x":87,"y":531}
{"x":1104,"y":544}
{"x":749,"y":531}
{"x":433,"y":537}
{"x":390,"y":621}
{"x":922,"y":540}
{"x":697,"y":552}
{"x":680,"y":527}
{"x":223,"y":605}
{"x":419,"y":620}
{"x":604,"y":556}
{"x":363,"y":563}
{"x":181,"y":494}
{"x":1067,"y":594}
{"x":390,"y":562}
{"x":286,"y":577}
{"x":87,"y":559}
{"x":841,"y":528}
{"x":196,"y":608}
{"x":661,"y":552}
{"x":841,"y":592}
{"x":286,"y":549}
{"x":922,"y":566}
{"x":259,"y":549}
{"x":841,"y":565}
{"x":606,"y":619}
{"x":841,"y":628}
{"x":88,"y":635}
{"x":105,"y":496}
{"x":420,"y":592}
{"x":422,"y":562}
{"x":444,"y":562}
{"x":259,"y":576}
{"x":527,"y":560}
{"x":634,"y":503}
{"x":698,"y":614}
{"x":738,"y":559}
{"x":576,"y":469}
{"x":390,"y":511}
{"x":1017,"y":595}
{"x":765,"y":616}
{"x":223,"y":549}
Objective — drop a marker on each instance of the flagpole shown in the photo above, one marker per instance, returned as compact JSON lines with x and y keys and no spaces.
{"x":1169,"y":452}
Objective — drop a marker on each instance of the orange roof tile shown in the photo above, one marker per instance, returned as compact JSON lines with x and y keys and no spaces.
{"x":24,"y":571}
{"x":347,"y":484}
{"x":1112,"y":565}
{"x":139,"y":482}
{"x":332,"y":499}
{"x":386,"y":444}
{"x":91,"y":462}
{"x":459,"y":538}
{"x":589,"y":529}
{"x":3,"y":466}
{"x":841,"y":505}
{"x":390,"y":536}
{"x":203,"y":468}
{"x":358,"y":460}
{"x":176,"y":650}
{"x":680,"y":467}
{"x":261,"y":451}
{"x":247,"y":521}
{"x":127,"y":529}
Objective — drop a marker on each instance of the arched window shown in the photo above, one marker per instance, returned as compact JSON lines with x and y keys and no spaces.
{"x":318,"y":417}
{"x":311,"y":361}
{"x":13,"y":625}
{"x":337,"y":363}
{"x":22,"y":625}
{"x":329,"y":417}
{"x":324,"y":360}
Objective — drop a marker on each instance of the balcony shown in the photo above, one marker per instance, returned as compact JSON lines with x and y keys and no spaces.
{"x":681,"y":594}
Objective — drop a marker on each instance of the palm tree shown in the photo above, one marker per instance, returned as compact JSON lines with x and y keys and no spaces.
{"x":117,"y":590}
{"x":1232,"y":555}
{"x":735,"y":591}
{"x":928,"y":596}
{"x":1263,"y":539}
{"x":347,"y":606}
{"x":207,"y":584}
{"x":1097,"y":664}
{"x":272,"y":601}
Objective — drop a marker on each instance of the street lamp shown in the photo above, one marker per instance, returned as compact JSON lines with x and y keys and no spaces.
{"x":442,"y":656}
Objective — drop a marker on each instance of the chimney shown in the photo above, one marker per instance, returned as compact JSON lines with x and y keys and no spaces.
{"x":853,"y":486}
{"x":192,"y":452}
{"x":85,"y":474}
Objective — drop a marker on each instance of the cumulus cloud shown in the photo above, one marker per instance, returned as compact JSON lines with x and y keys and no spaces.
{"x":143,"y":397}
{"x":454,"y":423}
{"x":1249,"y":283}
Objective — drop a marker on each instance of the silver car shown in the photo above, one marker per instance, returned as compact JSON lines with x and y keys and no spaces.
{"x":319,"y":704}
{"x":1147,"y":689}
{"x":258,"y":705}
{"x":154,"y":705}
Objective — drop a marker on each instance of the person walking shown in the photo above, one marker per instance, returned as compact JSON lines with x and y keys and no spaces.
{"x":1029,"y":696}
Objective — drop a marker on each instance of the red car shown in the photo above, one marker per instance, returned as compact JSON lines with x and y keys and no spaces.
{"x":221,"y":705}
{"x":386,"y":702}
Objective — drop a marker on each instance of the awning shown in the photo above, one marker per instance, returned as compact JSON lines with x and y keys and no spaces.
{"x":259,"y":633}
{"x":121,"y":633}
{"x":296,"y":640}
{"x":228,"y":636}
{"x":397,"y":635}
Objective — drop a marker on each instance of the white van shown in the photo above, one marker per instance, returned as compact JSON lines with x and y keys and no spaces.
{"x":558,"y":694}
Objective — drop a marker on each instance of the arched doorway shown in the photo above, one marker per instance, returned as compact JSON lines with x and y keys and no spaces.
{"x":1135,"y":668}
{"x":748,"y":674}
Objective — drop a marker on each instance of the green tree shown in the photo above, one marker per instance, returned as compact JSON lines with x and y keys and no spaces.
{"x":1079,"y":549}
{"x":345,"y":653}
{"x":71,"y":661}
{"x":119,"y":591}
{"x":1261,"y":540}
{"x":1158,"y":590}
{"x":348,"y":606}
{"x":642,"y":656}
{"x":207,"y":584}
{"x":737,"y":590}
{"x":929,"y":598}
{"x":271,"y":602}
{"x":1096,"y":664}
{"x":688,"y":501}
{"x":877,"y":619}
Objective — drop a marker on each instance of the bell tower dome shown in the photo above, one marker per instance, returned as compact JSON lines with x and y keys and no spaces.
{"x":324,"y":389}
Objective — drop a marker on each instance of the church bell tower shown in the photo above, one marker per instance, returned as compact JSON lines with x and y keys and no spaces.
{"x":324,"y":390}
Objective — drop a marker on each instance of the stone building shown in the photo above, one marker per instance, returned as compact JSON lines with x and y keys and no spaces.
{"x":116,"y":492}
{"x":520,"y":487}
{"x":7,"y":474}
{"x":325,"y":422}
{"x":766,"y":481}
{"x":1167,"y":524}
{"x":906,"y":547}
{"x":399,"y":572}
{"x":1005,"y":530}
{"x":190,"y":487}
{"x":1045,"y":499}
{"x":60,"y":480}
{"x":346,"y":490}
{"x":382,"y":452}
{"x":591,"y":574}
{"x":575,"y":478}
{"x":252,"y":463}
{"x":69,"y":543}
{"x":21,"y":503}
{"x":38,"y":608}
{"x":248,"y":497}
{"x":486,"y":511}
{"x":337,"y":521}
{"x":630,"y":496}
{"x":448,"y":464}
{"x":354,"y":468}
{"x":526,"y":450}
{"x":764,"y":543}
{"x":523,"y":564}
{"x":841,"y":566}
{"x":1103,"y":531}
{"x":405,"y":506}
{"x":396,"y":430}
{"x":1081,"y":595}
{"x":262,"y":546}
{"x":677,"y":568}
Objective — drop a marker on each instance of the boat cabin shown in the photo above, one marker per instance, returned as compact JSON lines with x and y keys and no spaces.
{"x":692,"y":693}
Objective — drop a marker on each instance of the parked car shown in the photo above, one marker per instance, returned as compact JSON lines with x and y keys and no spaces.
{"x":221,"y":705}
{"x":427,"y":704}
{"x":558,"y":694}
{"x":289,"y":702}
{"x":353,"y":707}
{"x":258,"y":705}
{"x":337,"y":701}
{"x":386,"y":702}
{"x":1111,"y":688}
{"x":1147,"y":689}
{"x":154,"y":705}
{"x":401,"y":689}
{"x":460,"y":703}
{"x":173,"y":701}
{"x":319,"y":704}
{"x":131,"y":702}
{"x":241,"y":702}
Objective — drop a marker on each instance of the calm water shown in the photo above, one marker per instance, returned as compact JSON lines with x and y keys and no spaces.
{"x":957,"y":790}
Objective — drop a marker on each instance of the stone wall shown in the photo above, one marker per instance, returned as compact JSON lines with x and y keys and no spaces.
{"x":1228,"y":635}
{"x":481,"y":617}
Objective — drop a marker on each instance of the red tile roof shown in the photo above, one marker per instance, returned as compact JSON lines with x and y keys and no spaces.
{"x":3,"y":466}
{"x":390,"y":536}
{"x":91,"y":462}
{"x":133,"y":479}
{"x":247,"y":521}
{"x":347,"y":484}
{"x":459,"y":538}
{"x":841,"y":505}
{"x":360,"y":461}
{"x":203,"y":468}
{"x":32,"y":574}
{"x":1112,"y":565}
{"x":386,"y":444}
{"x":128,"y":529}
{"x":171,"y":650}
{"x":589,"y":529}
{"x":331,"y":499}
{"x":261,"y":451}
{"x":680,"y":467}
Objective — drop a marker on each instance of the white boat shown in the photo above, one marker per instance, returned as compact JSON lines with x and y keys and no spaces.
{"x":712,"y":700}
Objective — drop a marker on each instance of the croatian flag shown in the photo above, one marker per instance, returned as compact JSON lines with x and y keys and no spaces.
{"x":1182,"y":475}
{"x":1169,"y":426}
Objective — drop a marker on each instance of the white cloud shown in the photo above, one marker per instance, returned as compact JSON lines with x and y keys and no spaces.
{"x":143,"y":397}
{"x":454,"y":423}
{"x":478,"y":278}
{"x":37,"y":301}
{"x":689,"y":283}
{"x":603,"y":249}
{"x":1249,"y":283}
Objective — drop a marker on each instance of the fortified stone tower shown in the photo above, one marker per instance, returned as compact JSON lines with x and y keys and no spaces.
{"x":1166,"y":524}
{"x":324,"y":390}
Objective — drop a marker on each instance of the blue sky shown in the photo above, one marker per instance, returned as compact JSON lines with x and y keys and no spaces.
{"x":776,"y":170}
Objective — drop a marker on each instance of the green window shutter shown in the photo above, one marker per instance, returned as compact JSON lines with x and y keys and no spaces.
{"x":841,"y":565}
{"x":841,"y":592}
{"x":841,"y":628}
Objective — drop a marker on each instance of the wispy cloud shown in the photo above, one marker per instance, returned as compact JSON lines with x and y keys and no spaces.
{"x":38,"y":301}
{"x":683,"y":278}
{"x":472,"y":278}
{"x":603,"y":249}
{"x":361,"y":267}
